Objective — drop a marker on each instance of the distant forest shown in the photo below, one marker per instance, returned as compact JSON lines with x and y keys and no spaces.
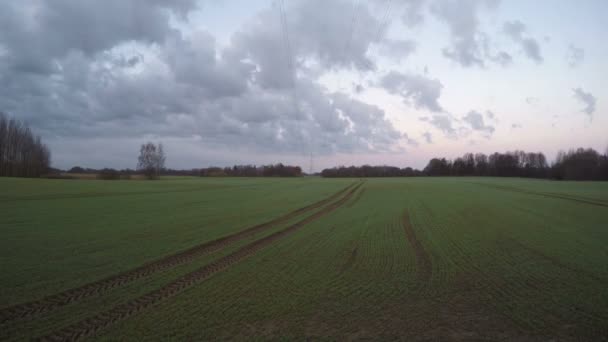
{"x":24,"y":155}
{"x":579,"y":164}
{"x":274,"y":170}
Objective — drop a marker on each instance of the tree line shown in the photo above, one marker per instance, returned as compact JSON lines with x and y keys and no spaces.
{"x":21,"y":153}
{"x":579,"y":164}
{"x":370,"y":171}
{"x":509,"y":164}
{"x":151,"y":163}
{"x":276,"y":170}
{"x":24,"y":155}
{"x":273,"y":170}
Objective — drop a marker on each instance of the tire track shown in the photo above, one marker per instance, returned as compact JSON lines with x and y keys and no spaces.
{"x":351,"y":260}
{"x":424,"y":265}
{"x":47,"y":197}
{"x":546,"y":194}
{"x":513,"y":243}
{"x":46,"y":304}
{"x":357,"y":197}
{"x":511,"y":294}
{"x":92,"y":325}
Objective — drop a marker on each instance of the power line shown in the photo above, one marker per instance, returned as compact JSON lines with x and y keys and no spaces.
{"x":386,"y":19}
{"x":381,"y":26}
{"x":347,"y":45}
{"x":293,"y":75}
{"x":286,"y":41}
{"x":353,"y":24}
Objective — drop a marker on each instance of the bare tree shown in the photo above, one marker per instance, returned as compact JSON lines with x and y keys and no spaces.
{"x":3,"y":141}
{"x":21,"y":153}
{"x":151,"y":160}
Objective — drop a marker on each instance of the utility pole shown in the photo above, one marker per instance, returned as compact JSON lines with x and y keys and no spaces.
{"x":310,"y":168}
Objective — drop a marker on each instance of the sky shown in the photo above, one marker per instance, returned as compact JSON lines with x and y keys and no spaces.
{"x":316,"y":83}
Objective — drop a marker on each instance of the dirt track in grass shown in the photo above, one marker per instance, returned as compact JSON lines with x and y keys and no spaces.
{"x":424,"y":265}
{"x":578,"y":199}
{"x":46,"y":304}
{"x":92,"y":325}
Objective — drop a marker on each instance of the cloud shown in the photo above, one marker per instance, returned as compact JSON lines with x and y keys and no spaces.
{"x":469,"y":45}
{"x":128,"y":71}
{"x":455,"y":128}
{"x":444,"y":123}
{"x":575,"y":56}
{"x":515,"y":30}
{"x":409,"y":141}
{"x":193,"y":62}
{"x":428,"y":137}
{"x":398,"y":50}
{"x":491,"y":117}
{"x":476,"y":122}
{"x":37,"y":34}
{"x":323,"y":38}
{"x":532,"y":100}
{"x":412,"y":13}
{"x":358,"y":88}
{"x":420,"y":91}
{"x":503,"y":58}
{"x":587,"y":99}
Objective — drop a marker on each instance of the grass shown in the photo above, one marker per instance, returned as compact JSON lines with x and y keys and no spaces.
{"x":85,"y":230}
{"x":509,"y":258}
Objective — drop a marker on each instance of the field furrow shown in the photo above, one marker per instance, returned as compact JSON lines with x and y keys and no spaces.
{"x":49,"y":303}
{"x":424,"y":258}
{"x":424,"y":264}
{"x":357,"y":197}
{"x":572,"y":198}
{"x":92,"y":325}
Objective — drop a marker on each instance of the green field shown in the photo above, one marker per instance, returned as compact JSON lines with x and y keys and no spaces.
{"x":407,"y":258}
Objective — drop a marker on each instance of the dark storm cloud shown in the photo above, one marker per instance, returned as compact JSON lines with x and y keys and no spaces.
{"x":420,"y":91}
{"x":118,"y":69}
{"x":516,"y":31}
{"x":39,"y":32}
